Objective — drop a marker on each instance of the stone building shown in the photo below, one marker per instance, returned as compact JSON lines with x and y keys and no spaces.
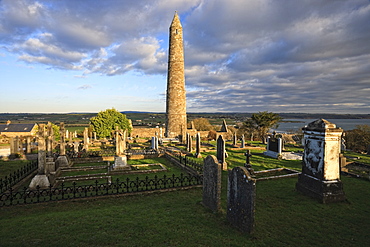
{"x":176,"y":123}
{"x":12,"y":130}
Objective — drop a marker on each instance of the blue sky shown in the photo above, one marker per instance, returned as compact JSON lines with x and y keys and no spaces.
{"x":240,"y":56}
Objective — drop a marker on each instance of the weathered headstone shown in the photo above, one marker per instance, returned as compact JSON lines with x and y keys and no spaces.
{"x":234,"y":139}
{"x":197,"y":146}
{"x":49,"y":139}
{"x":212,"y":183}
{"x":28,"y":144}
{"x":40,"y":179}
{"x":12,"y":146}
{"x":320,"y":176}
{"x":242,"y":142}
{"x":224,"y":126}
{"x":221,"y":152}
{"x":120,"y":160}
{"x":86,"y":139}
{"x":241,"y":196}
{"x":62,"y":160}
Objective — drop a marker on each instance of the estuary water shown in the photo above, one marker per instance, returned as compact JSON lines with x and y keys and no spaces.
{"x":297,"y":124}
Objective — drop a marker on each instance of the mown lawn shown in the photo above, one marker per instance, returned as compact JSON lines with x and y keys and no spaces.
{"x":284,"y":217}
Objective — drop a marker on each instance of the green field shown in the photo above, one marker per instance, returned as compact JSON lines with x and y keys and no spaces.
{"x":284,"y":217}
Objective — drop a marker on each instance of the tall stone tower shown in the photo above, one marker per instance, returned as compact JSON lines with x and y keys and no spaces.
{"x":176,"y":124}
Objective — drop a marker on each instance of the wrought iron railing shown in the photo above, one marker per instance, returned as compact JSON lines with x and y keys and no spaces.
{"x":186,"y":161}
{"x":12,"y":179}
{"x":128,"y":186}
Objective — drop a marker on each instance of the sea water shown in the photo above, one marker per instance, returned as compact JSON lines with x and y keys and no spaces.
{"x":297,"y":124}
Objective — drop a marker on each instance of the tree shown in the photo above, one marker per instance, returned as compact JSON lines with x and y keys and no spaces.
{"x":106,"y":121}
{"x":358,"y":140}
{"x":261,"y":122}
{"x":202,"y":124}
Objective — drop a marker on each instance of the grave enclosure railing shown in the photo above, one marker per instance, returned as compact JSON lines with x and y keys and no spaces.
{"x":189,"y":164}
{"x":127,"y":186}
{"x":13,"y":178}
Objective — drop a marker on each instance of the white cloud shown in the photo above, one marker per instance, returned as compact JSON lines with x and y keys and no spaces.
{"x":239,"y":55}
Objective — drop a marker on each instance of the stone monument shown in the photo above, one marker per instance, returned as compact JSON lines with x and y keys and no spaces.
{"x":221,"y":152}
{"x":62,"y":160}
{"x":320,"y":176}
{"x":241,"y":196}
{"x":176,"y":123}
{"x":197,"y":146}
{"x":40,"y":179}
{"x":120,"y":160}
{"x":212,"y":183}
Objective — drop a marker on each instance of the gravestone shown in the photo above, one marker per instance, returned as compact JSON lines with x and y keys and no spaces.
{"x":120,"y":160}
{"x":197,"y":146}
{"x":221,"y":152}
{"x":242,"y":142}
{"x":234,"y":139}
{"x":40,"y":179}
{"x":190,"y":144}
{"x":154,"y":143}
{"x":320,"y":177}
{"x":212,"y":183}
{"x":86,"y":139}
{"x":62,"y":160}
{"x":241,"y":196}
{"x":76,"y":145}
{"x":49,"y":139}
{"x":12,"y":146}
{"x":28,"y":145}
{"x":274,"y":147}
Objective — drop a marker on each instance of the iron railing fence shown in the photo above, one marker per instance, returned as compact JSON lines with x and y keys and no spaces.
{"x":186,"y":161}
{"x":110,"y":152}
{"x":128,"y":186}
{"x":13,"y":178}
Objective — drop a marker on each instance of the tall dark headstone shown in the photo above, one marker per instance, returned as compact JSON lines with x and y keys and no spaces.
{"x":212,"y":183}
{"x":197,"y":146}
{"x":241,"y":196}
{"x":221,"y":152}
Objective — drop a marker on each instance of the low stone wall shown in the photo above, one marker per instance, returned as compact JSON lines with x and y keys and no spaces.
{"x":150,"y":132}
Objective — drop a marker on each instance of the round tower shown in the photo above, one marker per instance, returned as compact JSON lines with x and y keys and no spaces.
{"x":176,"y":123}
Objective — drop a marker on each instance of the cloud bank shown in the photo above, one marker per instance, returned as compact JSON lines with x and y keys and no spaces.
{"x":241,"y":56}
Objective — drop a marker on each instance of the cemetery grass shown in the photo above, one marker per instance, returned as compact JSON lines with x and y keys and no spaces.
{"x":8,"y":167}
{"x":284,"y":217}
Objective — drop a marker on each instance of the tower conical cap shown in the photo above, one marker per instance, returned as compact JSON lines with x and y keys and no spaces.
{"x":176,"y":21}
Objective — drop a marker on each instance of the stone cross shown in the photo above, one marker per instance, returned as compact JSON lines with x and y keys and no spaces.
{"x":248,"y":155}
{"x":212,"y":183}
{"x":241,"y":197}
